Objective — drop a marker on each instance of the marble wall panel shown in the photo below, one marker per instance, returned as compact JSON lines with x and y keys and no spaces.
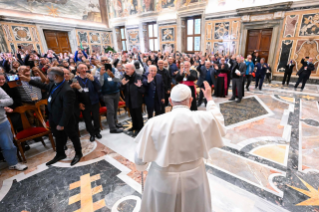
{"x":24,"y":35}
{"x":133,"y":38}
{"x":222,"y":35}
{"x":221,"y":30}
{"x":291,"y":25}
{"x":309,"y":25}
{"x":167,"y":36}
{"x":94,"y":40}
{"x":3,"y":43}
{"x":286,"y":47}
{"x":306,"y":48}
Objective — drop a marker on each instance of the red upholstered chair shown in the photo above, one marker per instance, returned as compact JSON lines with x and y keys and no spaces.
{"x":29,"y":132}
{"x":122,"y":105}
{"x":103,"y":112}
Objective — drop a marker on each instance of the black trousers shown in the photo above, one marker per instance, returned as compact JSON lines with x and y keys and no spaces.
{"x":268,"y":77}
{"x":61,"y":137}
{"x":92,"y":113}
{"x":303,"y":79}
{"x":259,"y":81}
{"x":237,"y":83}
{"x":248,"y":79}
{"x":286,"y":76}
{"x":157,"y":106}
{"x":137,"y":118}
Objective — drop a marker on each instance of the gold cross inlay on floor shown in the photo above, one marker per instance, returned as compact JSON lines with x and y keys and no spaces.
{"x":86,"y":193}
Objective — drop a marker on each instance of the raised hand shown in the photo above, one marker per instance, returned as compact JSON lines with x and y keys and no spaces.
{"x":124,"y":81}
{"x":24,"y":78}
{"x":90,"y":77}
{"x":207,"y":91}
{"x":138,"y":83}
{"x":8,"y":109}
{"x":149,"y":78}
{"x":102,"y":72}
{"x":110,"y":73}
{"x":75,"y":85}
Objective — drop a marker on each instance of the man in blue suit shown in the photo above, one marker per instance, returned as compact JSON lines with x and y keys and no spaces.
{"x":206,"y":73}
{"x":154,"y":91}
{"x":260,"y":73}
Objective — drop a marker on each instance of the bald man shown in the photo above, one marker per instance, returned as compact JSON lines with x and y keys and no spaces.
{"x":305,"y":72}
{"x":154,"y":92}
{"x":133,"y":90}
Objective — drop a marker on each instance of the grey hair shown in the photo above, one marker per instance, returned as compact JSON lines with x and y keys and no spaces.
{"x":263,"y":59}
{"x":152,"y":66}
{"x":57,"y":71}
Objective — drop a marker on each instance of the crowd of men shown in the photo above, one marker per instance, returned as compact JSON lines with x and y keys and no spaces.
{"x":81,"y":83}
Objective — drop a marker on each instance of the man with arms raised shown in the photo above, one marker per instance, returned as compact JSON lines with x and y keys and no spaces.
{"x":176,"y":144}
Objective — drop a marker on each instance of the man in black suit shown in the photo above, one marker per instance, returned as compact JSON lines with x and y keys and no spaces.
{"x":61,"y":116}
{"x":167,"y":80}
{"x":237,"y":72}
{"x":206,"y":73}
{"x":305,"y":72}
{"x":288,"y":71}
{"x":133,"y":91}
{"x":154,"y":92}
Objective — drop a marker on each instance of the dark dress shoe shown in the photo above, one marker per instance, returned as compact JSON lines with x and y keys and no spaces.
{"x":57,"y":158}
{"x":116,"y":131}
{"x":92,"y":138}
{"x":76,"y":159}
{"x":238,"y":101}
{"x":118,"y":125}
{"x":231,"y":99}
{"x":98,"y":135}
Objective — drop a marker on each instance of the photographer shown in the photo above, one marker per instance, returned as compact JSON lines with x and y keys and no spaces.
{"x":305,"y":72}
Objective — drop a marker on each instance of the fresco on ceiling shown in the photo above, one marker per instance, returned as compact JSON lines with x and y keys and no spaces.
{"x":76,"y":9}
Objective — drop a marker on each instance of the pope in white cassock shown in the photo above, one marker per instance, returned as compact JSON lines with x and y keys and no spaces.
{"x":176,"y":144}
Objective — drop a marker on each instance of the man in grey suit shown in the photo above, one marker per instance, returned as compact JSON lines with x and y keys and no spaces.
{"x":237,"y":72}
{"x":206,"y":73}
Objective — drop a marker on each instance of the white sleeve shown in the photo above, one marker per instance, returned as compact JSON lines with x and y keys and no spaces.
{"x":219,"y":118}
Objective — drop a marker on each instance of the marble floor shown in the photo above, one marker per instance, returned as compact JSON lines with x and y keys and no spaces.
{"x":269,"y":162}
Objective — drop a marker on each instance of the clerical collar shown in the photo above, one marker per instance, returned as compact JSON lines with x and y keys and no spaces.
{"x":180,"y":107}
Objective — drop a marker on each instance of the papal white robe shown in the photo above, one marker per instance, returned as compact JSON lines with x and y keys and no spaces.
{"x":176,"y":144}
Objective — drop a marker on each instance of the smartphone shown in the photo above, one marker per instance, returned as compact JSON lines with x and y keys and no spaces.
{"x":12,"y":78}
{"x":74,"y":80}
{"x":108,"y":67}
{"x":307,"y":57}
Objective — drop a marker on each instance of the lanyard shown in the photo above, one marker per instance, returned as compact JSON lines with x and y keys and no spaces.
{"x":56,"y":87}
{"x":83,"y":81}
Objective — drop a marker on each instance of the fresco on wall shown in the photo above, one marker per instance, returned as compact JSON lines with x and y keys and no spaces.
{"x":309,"y":25}
{"x":221,"y":48}
{"x":168,"y":34}
{"x":221,"y":30}
{"x":133,"y":38}
{"x":95,"y":38}
{"x":76,"y":9}
{"x":3,"y":44}
{"x":168,"y":3}
{"x":83,"y":37}
{"x":148,"y":5}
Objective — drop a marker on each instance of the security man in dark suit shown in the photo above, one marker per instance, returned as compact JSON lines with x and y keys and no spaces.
{"x":305,"y":72}
{"x":61,"y":116}
{"x":206,"y":73}
{"x":237,"y":72}
{"x":288,"y":71}
{"x":154,"y":92}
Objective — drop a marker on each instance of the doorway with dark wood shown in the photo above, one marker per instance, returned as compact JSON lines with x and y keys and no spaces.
{"x":58,"y":41}
{"x":259,"y":39}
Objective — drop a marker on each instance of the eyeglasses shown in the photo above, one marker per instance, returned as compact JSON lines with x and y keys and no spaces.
{"x":104,"y":60}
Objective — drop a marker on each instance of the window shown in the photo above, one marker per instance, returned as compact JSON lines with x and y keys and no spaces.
{"x":193,"y":28}
{"x":152,"y":37}
{"x":123,"y":38}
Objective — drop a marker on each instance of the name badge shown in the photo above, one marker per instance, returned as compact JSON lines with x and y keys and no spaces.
{"x":109,"y":79}
{"x":86,"y":90}
{"x":34,"y":97}
{"x":49,"y":99}
{"x":185,"y":79}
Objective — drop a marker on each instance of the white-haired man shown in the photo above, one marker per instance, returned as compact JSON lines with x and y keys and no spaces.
{"x":176,"y":143}
{"x":133,"y":91}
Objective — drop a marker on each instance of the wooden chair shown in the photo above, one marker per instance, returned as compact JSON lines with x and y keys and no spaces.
{"x":38,"y":105}
{"x":29,"y":132}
